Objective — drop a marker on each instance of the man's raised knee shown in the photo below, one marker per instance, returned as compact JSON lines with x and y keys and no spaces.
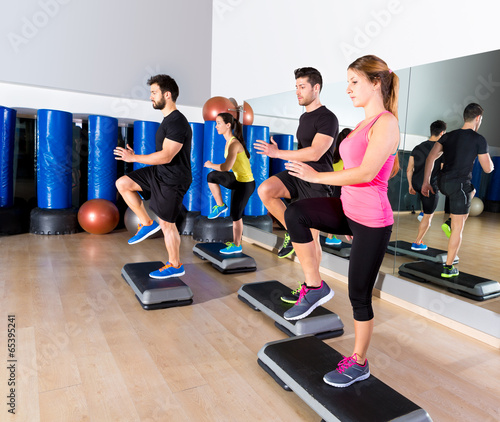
{"x":263,"y":190}
{"x":120,"y":184}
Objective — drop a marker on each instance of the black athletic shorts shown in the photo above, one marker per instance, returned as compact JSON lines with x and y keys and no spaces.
{"x":240,"y":191}
{"x":299,"y":189}
{"x":166,"y":200}
{"x":459,"y":194}
{"x":429,"y":203}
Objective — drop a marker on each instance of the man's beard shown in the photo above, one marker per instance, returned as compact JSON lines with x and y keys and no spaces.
{"x":160,"y":104}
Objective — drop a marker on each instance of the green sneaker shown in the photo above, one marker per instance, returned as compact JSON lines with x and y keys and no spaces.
{"x":293,"y":296}
{"x":449,"y":271}
{"x":286,"y":248}
{"x":446,"y":227}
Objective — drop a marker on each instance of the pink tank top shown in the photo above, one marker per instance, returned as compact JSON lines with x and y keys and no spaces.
{"x":366,"y":203}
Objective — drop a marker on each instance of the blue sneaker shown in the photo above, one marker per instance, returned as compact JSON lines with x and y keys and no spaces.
{"x":216,"y":211}
{"x":168,"y":271}
{"x":333,"y":241}
{"x":231,"y":248}
{"x":309,"y":300}
{"x":348,"y":372}
{"x":418,"y":247}
{"x":144,"y":232}
{"x":420,"y":216}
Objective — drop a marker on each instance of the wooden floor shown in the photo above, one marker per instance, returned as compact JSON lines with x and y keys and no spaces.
{"x":87,"y":351}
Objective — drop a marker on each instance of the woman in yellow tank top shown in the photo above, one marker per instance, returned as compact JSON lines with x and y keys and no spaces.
{"x":240,"y":180}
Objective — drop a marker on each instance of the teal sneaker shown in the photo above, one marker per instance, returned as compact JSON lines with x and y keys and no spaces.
{"x":449,"y":271}
{"x":143,"y":232}
{"x":168,"y":271}
{"x":309,"y":300}
{"x":348,"y":372}
{"x":231,"y":248}
{"x":216,"y":211}
{"x":333,"y":241}
{"x":286,"y":248}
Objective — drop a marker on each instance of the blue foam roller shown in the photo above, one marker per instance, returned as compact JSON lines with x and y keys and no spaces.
{"x":213,"y":150}
{"x":192,"y":198}
{"x":53,"y":164}
{"x":260,"y":167}
{"x":285,"y":142}
{"x":494,"y":185}
{"x":7,"y":137}
{"x":144,"y":139}
{"x":102,"y":166}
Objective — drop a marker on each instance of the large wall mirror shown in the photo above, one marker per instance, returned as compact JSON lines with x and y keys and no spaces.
{"x":436,"y":91}
{"x":441,"y":91}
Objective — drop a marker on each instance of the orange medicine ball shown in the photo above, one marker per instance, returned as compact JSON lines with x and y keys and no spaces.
{"x":216,"y":105}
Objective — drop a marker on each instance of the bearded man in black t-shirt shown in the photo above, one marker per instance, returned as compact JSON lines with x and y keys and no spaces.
{"x":458,"y":150}
{"x":165,"y":179}
{"x":318,"y":128}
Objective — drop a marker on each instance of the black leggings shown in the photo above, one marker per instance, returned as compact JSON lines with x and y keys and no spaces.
{"x":241,"y":191}
{"x":368,"y":245}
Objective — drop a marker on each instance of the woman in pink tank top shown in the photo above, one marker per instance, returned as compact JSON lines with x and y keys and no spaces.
{"x":363,"y":213}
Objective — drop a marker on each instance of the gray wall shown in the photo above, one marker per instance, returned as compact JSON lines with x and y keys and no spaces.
{"x":108,"y":47}
{"x":442,"y":90}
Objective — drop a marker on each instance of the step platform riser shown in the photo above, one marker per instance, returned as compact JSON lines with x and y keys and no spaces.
{"x":401,"y":247}
{"x":226,"y":264}
{"x":299,"y":364}
{"x":266,"y":297}
{"x":155,"y":293}
{"x":467,"y":285}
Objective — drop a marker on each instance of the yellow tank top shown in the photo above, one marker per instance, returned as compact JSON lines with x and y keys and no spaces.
{"x":338,"y":166}
{"x":241,"y":167}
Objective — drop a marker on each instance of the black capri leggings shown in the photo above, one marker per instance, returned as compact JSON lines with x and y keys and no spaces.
{"x":241,"y":191}
{"x":368,"y":245}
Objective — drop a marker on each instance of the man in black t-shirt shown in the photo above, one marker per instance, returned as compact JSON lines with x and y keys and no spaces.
{"x":166,"y":178}
{"x":318,"y":128}
{"x":415,"y":174}
{"x":458,"y":150}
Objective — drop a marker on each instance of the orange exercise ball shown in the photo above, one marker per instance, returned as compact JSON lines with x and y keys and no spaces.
{"x":216,"y":105}
{"x":98,"y":216}
{"x":247,"y":114}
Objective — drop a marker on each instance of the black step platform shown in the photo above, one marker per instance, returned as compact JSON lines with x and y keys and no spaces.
{"x":265,"y":296}
{"x":400,"y":247}
{"x":299,"y":364}
{"x":343,"y":250}
{"x":468,"y":285}
{"x":226,"y":264}
{"x":153,"y":293}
